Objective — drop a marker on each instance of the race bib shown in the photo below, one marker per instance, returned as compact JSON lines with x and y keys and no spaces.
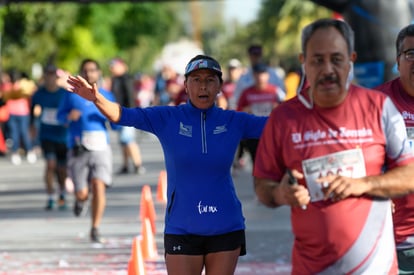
{"x":262,"y":108}
{"x":49,"y":116}
{"x":94,"y":140}
{"x":348,"y":163}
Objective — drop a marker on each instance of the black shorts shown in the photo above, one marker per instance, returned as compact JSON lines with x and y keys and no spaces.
{"x":202,"y":245}
{"x":54,"y":150}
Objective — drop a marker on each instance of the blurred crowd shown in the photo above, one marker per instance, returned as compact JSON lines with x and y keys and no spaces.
{"x":30,"y":127}
{"x":19,"y":118}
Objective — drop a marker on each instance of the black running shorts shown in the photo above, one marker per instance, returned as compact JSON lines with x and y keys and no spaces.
{"x":202,"y":245}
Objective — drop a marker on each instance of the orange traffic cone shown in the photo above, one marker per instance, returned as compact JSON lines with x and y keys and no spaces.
{"x":149,"y":247}
{"x":147,"y":209}
{"x":136,"y":265}
{"x":162,"y":187}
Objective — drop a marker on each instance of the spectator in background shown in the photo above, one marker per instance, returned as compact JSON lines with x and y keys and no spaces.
{"x":5,"y":83}
{"x":52,"y":135}
{"x":292,"y":81}
{"x":176,"y":91}
{"x":17,"y":96}
{"x":234,"y":71}
{"x":232,"y":75}
{"x":122,"y":85}
{"x":161,"y":94}
{"x":259,"y":99}
{"x":246,"y":80}
{"x":144,"y":90}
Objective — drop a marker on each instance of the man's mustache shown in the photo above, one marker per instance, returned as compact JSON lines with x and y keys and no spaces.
{"x":329,"y":78}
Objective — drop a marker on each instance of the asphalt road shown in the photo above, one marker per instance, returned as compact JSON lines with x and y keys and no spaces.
{"x":35,"y":241}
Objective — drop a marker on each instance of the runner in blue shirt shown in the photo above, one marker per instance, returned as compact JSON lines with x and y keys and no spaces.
{"x":52,"y":135}
{"x":90,"y":155}
{"x":204,"y":223}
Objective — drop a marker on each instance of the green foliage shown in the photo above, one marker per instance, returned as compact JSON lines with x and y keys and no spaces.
{"x":66,"y":33}
{"x":44,"y":25}
{"x":277,"y":28}
{"x":14,"y":27}
{"x":280,"y":23}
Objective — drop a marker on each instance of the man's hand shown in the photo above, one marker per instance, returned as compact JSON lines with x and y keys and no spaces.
{"x":294,"y":194}
{"x":337,"y":187}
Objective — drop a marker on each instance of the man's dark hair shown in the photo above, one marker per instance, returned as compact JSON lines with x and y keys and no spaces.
{"x":340,"y":25}
{"x":406,"y":31}
{"x":89,"y":60}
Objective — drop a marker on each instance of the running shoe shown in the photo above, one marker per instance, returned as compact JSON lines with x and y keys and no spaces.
{"x":50,"y":204}
{"x":95,"y":236}
{"x":16,"y":159}
{"x":80,"y":208}
{"x":140,"y":170}
{"x":62,"y":203}
{"x":31,"y":157}
{"x":123,"y":171}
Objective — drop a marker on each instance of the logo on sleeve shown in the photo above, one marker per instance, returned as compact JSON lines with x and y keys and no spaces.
{"x":220,"y":129}
{"x":186,"y":130}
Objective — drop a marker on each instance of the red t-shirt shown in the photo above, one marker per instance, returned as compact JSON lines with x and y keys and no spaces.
{"x":261,"y":102}
{"x":355,"y":138}
{"x":404,"y":206}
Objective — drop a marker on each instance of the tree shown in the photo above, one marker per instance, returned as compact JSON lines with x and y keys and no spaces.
{"x":65,"y":33}
{"x":278,"y":29}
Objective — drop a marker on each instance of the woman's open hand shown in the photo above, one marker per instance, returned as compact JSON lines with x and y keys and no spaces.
{"x":81,"y":87}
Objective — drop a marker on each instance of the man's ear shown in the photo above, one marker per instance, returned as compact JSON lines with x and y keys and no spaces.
{"x":353,"y":56}
{"x":302,"y":62}
{"x":301,"y":58}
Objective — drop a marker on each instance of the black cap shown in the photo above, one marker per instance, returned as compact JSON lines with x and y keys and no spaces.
{"x":201,"y":62}
{"x":255,"y":50}
{"x":259,"y":68}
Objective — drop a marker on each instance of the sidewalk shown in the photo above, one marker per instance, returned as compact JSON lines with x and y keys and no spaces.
{"x":35,"y":241}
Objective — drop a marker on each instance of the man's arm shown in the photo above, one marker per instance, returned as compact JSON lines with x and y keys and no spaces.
{"x":267,"y":193}
{"x":395,"y":182}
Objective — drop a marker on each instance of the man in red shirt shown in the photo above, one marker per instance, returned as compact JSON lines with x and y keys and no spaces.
{"x":401,"y":91}
{"x":259,"y":99}
{"x":335,"y":138}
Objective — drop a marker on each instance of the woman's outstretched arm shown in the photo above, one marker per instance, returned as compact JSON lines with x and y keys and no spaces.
{"x":81,"y":87}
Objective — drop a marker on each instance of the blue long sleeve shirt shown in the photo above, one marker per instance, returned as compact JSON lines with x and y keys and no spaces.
{"x":90,"y":120}
{"x":199,"y":148}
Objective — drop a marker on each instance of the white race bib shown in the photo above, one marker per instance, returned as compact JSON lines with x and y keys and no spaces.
{"x":49,"y":116}
{"x":262,"y":108}
{"x":94,"y":140}
{"x":348,"y":163}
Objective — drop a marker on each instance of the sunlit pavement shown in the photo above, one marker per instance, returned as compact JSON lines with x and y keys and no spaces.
{"x":35,"y":241}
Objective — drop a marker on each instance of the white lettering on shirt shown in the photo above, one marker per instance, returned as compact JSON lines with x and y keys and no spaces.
{"x":407,"y":115}
{"x":206,"y":208}
{"x":318,"y":137}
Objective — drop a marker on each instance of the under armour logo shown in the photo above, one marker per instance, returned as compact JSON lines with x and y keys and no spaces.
{"x":177,"y":248}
